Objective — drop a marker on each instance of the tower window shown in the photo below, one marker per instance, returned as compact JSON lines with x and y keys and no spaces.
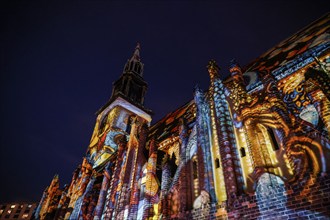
{"x":173,"y":165}
{"x":136,"y":67}
{"x":128,"y":126}
{"x":139,"y":69}
{"x":243,"y":153}
{"x":217,"y":163}
{"x":273,"y":139}
{"x":195,"y":171}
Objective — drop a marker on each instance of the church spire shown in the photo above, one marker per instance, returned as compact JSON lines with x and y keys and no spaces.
{"x":134,"y":64}
{"x":136,"y":54}
{"x":213,"y":69}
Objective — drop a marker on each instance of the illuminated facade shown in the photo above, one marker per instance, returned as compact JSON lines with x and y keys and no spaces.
{"x":255,"y":145}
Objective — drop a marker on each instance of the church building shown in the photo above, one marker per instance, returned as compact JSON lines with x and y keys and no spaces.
{"x":255,"y":145}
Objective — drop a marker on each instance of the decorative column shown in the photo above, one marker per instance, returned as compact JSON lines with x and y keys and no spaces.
{"x":62,"y":204}
{"x":43,"y":198}
{"x":219,"y":178}
{"x":76,"y":213}
{"x":111,"y":195}
{"x":151,"y":170}
{"x":203,"y":139}
{"x":165,"y":185}
{"x":127,"y":173}
{"x":225,"y":153}
{"x":228,"y":150}
{"x":183,"y":179}
{"x":102,"y":196}
{"x":137,"y":170}
{"x":48,"y":205}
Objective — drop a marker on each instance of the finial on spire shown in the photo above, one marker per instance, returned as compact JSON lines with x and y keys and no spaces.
{"x":197,"y":89}
{"x":213,"y":69}
{"x":233,"y":62}
{"x":234,"y":66}
{"x":136,"y":54}
{"x":235,"y":70}
{"x":55,"y":180}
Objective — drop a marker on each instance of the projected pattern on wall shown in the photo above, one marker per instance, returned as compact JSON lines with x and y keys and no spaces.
{"x":245,"y":148}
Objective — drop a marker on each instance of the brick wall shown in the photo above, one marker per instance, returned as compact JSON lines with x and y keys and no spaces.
{"x":308,"y":199}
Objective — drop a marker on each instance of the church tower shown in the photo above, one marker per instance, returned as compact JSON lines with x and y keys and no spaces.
{"x":124,"y":106}
{"x":115,"y":155}
{"x":131,"y":84}
{"x":117,"y":147}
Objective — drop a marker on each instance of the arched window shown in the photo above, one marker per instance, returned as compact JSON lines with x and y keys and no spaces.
{"x":217,"y":163}
{"x":195,"y":169}
{"x":129,"y":125}
{"x":195,"y":174}
{"x":173,"y":165}
{"x":136,"y":67}
{"x":273,"y":139}
{"x":243,"y":153}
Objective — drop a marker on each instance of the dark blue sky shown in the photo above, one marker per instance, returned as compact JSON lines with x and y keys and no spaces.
{"x":58,"y":62}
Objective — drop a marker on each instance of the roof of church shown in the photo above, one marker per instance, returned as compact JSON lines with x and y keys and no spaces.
{"x":169,"y":125}
{"x":313,"y":35}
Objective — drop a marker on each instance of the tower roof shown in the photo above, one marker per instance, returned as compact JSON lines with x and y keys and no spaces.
{"x":130,"y":86}
{"x":136,"y":54}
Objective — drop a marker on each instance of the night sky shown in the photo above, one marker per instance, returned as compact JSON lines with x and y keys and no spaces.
{"x":58,"y":62}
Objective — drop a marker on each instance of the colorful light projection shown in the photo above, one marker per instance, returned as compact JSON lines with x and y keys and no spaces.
{"x":255,"y":139}
{"x":112,"y":122}
{"x":289,"y":120}
{"x":48,"y":204}
{"x":311,"y":39}
{"x":227,"y":174}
